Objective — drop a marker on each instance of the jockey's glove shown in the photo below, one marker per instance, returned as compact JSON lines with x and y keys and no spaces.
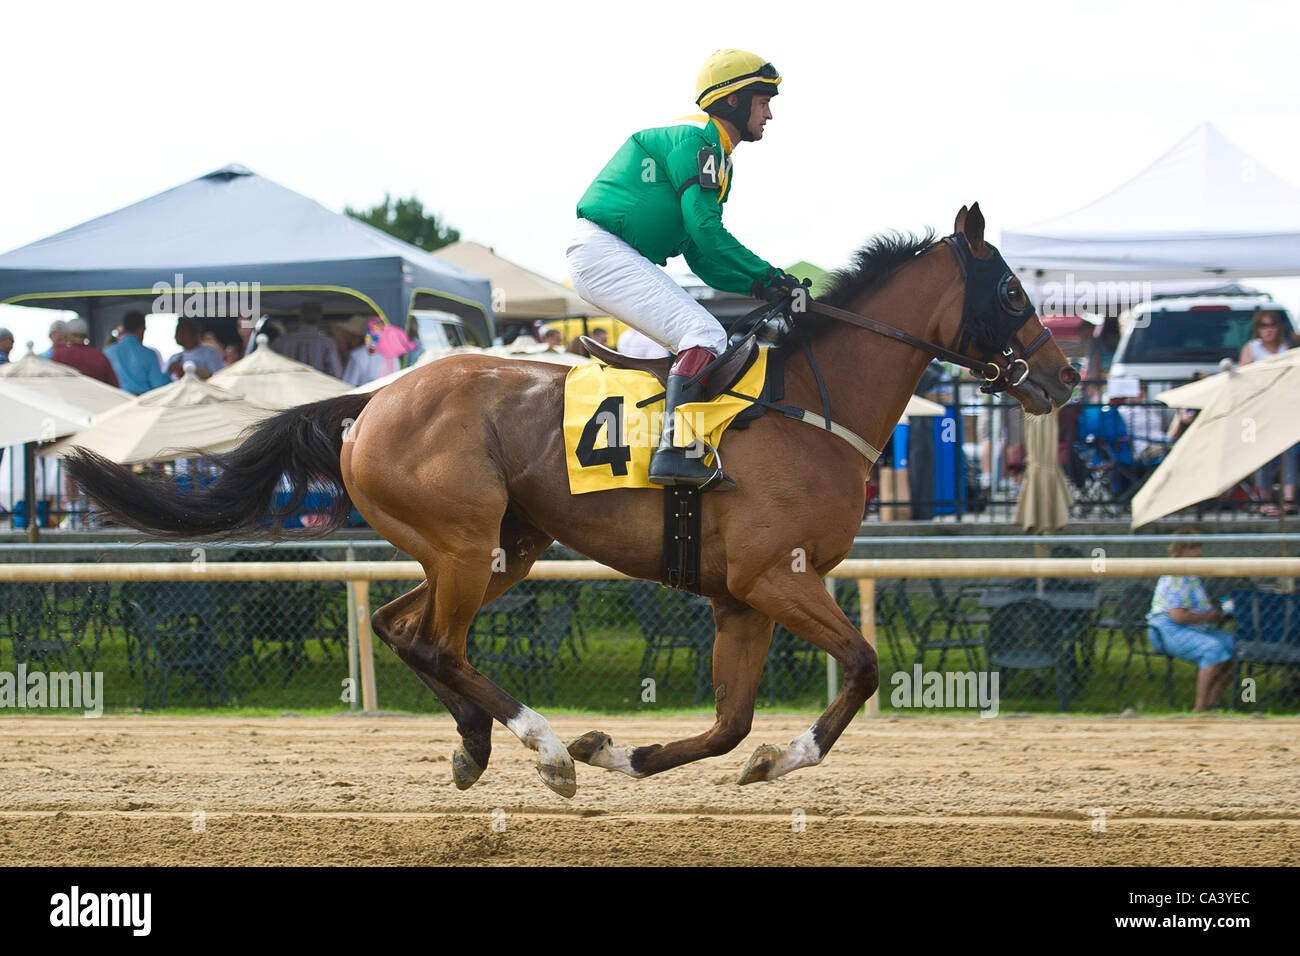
{"x":787,"y":292}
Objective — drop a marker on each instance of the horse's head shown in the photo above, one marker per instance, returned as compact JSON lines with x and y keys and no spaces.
{"x":998,"y":324}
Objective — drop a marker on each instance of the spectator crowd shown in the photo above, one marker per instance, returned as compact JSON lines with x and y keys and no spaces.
{"x":345,"y":349}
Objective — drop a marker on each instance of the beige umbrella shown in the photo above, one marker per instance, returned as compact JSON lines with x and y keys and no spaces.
{"x":430,"y":355}
{"x":269,"y":379}
{"x":923,"y":408}
{"x":539,"y":353}
{"x":1202,"y":393}
{"x":517,"y":293}
{"x":375,"y":384}
{"x":1251,"y":420}
{"x":176,"y":421}
{"x":33,"y":416}
{"x":1044,"y":503}
{"x":63,"y":383}
{"x":536,"y":352}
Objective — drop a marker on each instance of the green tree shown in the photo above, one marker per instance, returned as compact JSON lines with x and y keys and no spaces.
{"x":407,"y":220}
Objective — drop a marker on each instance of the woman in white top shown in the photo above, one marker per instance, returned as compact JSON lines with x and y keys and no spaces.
{"x":1269,"y":337}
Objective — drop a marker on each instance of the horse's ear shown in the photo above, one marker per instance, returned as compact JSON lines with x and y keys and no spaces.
{"x":973,"y":226}
{"x":959,"y":224}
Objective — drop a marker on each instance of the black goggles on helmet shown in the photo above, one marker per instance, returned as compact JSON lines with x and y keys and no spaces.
{"x":765,"y":72}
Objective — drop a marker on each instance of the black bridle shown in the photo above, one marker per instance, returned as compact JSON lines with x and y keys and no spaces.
{"x":989,"y":321}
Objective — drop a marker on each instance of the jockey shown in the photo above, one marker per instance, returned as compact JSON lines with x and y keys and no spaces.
{"x":661,"y":195}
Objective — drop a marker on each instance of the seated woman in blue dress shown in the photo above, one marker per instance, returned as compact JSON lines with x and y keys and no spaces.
{"x":1180,"y":618}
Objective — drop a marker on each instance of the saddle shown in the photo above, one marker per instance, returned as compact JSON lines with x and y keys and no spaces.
{"x":723,"y":373}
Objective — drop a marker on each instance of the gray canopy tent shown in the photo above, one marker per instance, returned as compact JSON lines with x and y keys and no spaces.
{"x":233,"y":226}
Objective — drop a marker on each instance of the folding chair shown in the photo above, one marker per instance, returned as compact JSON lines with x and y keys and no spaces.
{"x":960,"y":627}
{"x":671,"y":622}
{"x":1024,"y":635}
{"x":1268,"y":635}
{"x":181,"y":647}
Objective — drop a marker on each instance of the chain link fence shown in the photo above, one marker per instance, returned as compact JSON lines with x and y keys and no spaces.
{"x":618,"y":646}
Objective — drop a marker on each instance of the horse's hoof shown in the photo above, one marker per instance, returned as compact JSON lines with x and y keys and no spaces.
{"x":761,"y":764}
{"x":586,"y":746}
{"x":559,"y":777}
{"x":464,"y":770}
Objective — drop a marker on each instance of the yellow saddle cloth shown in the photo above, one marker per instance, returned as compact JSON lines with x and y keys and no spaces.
{"x":608,"y":440}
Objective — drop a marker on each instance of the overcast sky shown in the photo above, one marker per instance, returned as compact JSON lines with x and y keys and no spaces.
{"x":498,"y":115}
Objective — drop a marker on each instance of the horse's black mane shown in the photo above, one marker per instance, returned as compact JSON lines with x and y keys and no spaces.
{"x":870,"y":268}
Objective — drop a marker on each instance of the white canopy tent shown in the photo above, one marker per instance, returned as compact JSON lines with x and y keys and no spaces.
{"x":1204,"y":210}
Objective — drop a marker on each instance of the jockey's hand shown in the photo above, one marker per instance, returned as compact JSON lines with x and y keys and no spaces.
{"x":788,"y":292}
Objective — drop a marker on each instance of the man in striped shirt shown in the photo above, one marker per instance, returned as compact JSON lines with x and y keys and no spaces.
{"x":308,"y":344}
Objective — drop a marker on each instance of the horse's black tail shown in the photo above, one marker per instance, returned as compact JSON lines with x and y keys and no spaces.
{"x":302,"y":443}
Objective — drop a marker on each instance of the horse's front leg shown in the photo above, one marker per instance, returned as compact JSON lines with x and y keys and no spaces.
{"x":739,"y":650}
{"x":799,"y":602}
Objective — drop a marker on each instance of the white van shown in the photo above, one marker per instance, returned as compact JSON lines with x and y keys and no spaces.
{"x":1172,"y":339}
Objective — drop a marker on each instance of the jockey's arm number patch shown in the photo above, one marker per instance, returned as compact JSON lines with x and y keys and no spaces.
{"x":710,"y":175}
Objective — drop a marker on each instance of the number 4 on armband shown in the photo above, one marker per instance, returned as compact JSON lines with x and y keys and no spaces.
{"x":609,"y":415}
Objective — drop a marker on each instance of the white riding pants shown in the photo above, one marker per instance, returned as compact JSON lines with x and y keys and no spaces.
{"x":614,"y":277}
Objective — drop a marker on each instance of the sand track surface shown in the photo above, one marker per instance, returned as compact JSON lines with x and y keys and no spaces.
{"x":139,"y":790}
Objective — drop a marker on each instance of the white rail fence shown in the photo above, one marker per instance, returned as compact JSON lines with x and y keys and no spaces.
{"x":359,"y":575}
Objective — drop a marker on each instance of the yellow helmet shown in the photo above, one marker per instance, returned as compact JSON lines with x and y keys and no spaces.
{"x":730,"y":71}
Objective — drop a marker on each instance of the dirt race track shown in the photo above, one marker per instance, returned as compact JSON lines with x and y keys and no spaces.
{"x":896,"y":790}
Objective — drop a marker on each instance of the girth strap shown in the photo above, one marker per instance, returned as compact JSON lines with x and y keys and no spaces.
{"x":860,"y":444}
{"x":681,"y":564}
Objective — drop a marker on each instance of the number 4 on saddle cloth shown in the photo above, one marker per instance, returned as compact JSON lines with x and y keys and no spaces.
{"x":611,"y":429}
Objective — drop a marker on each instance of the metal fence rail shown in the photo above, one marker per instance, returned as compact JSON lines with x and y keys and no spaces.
{"x":1062,"y":633}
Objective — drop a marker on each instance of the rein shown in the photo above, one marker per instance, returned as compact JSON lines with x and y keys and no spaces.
{"x":997,"y":378}
{"x":880,"y":328}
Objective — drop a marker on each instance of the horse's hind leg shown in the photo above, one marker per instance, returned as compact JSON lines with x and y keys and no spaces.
{"x":739,"y":650}
{"x":798,"y":601}
{"x":457,"y":585}
{"x":398,"y":623}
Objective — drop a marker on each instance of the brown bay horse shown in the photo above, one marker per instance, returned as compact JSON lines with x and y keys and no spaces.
{"x":464,"y":457}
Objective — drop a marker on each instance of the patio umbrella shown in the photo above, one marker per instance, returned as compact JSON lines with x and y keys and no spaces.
{"x":1250,"y":421}
{"x":1202,"y":393}
{"x":34,"y":416}
{"x":536,"y":352}
{"x":63,"y":383}
{"x":430,"y":355}
{"x":176,"y":421}
{"x":923,"y":407}
{"x":267,"y":378}
{"x":530,"y":353}
{"x":1044,"y":503}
